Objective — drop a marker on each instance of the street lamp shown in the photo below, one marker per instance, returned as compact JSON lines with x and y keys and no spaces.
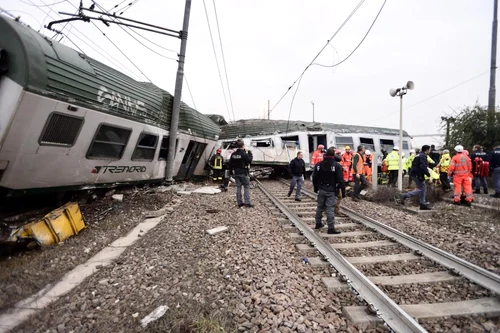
{"x":400,"y":92}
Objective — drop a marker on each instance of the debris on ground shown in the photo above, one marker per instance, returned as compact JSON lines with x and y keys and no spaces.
{"x":117,"y":197}
{"x":154,"y":315}
{"x":217,"y":230}
{"x":207,"y":190}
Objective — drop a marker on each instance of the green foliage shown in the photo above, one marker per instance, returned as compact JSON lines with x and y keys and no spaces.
{"x":471,"y":127}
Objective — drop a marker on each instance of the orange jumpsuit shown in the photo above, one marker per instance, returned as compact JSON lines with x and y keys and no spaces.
{"x":461,"y":168}
{"x":367,"y":169}
{"x":346,"y":165}
{"x":317,"y":157}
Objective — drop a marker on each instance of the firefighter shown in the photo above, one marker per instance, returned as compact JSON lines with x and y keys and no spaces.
{"x":480,"y":168}
{"x":494,"y":159}
{"x":461,"y":168}
{"x":444,"y":165}
{"x":216,"y":163}
{"x":392,"y":161}
{"x":347,"y":163}
{"x":317,"y":156}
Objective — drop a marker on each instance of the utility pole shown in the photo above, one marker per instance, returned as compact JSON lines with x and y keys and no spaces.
{"x":174,"y":122}
{"x":447,"y":138}
{"x":268,"y":109}
{"x":313,"y":110}
{"x":492,"y":92}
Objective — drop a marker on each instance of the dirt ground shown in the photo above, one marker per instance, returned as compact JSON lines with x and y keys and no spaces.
{"x":24,"y":273}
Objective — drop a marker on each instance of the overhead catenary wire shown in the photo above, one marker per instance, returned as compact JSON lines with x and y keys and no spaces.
{"x":46,"y":5}
{"x":224,"y":60}
{"x":127,"y":7}
{"x":361,"y":42}
{"x":216,"y":60}
{"x":317,"y":55}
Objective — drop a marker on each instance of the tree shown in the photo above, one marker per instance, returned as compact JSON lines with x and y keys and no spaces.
{"x":470,"y":127}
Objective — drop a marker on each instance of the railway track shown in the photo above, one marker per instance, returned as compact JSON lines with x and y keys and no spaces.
{"x":429,"y":283}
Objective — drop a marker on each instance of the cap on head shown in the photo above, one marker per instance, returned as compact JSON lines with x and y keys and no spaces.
{"x":347,"y":148}
{"x":367,"y":152}
{"x":459,"y":148}
{"x":219,"y":151}
{"x":321,"y":147}
{"x":395,"y":148}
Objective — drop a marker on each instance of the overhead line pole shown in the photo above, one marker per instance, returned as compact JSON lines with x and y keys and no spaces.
{"x":174,"y":122}
{"x":492,"y":92}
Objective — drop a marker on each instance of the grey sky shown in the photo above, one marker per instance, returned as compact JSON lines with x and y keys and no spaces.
{"x":267,"y":44}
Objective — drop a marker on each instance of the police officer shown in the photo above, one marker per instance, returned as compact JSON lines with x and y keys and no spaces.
{"x":477,"y":158}
{"x":327,"y":177}
{"x":494,"y":159}
{"x":239,"y":165}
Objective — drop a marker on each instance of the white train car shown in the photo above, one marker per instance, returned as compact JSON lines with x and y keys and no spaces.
{"x":68,"y":122}
{"x":275,"y":142}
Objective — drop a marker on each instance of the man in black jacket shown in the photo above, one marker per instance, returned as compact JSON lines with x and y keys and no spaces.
{"x":419,"y":169}
{"x":327,"y":177}
{"x":239,"y":165}
{"x":494,"y":159}
{"x":297,"y":169}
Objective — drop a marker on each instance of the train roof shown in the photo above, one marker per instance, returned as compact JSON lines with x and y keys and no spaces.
{"x":256,"y":127}
{"x":47,"y":67}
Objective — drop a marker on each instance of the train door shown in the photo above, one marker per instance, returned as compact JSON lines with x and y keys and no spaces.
{"x":191,"y":159}
{"x":315,"y":141}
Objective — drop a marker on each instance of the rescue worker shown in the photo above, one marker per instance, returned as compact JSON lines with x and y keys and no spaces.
{"x":358,"y":166}
{"x":494,"y":159}
{"x":341,"y":187}
{"x":409,"y":162}
{"x":444,"y":165}
{"x":384,"y":153}
{"x":461,"y":168}
{"x":368,"y":166}
{"x":418,"y":172}
{"x":327,"y":177}
{"x":297,"y":169}
{"x":478,"y":158}
{"x":216,"y":163}
{"x":239,"y":165}
{"x":317,"y":156}
{"x":405,"y":161}
{"x":392,"y":161}
{"x":347,"y":163}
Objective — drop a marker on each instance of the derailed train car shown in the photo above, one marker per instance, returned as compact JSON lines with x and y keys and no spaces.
{"x":69,"y":122}
{"x":276,"y":142}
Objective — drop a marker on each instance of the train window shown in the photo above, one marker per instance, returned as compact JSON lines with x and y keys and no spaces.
{"x":60,"y":130}
{"x":386,"y":144}
{"x":405,"y":145}
{"x":109,"y":142}
{"x":164,"y":147}
{"x":146,"y":147}
{"x":230,"y":144}
{"x":262,"y":143}
{"x":343,"y":141}
{"x":368,"y":143}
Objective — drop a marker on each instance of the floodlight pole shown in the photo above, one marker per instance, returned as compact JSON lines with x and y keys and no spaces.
{"x":174,"y":122}
{"x":400,"y":170}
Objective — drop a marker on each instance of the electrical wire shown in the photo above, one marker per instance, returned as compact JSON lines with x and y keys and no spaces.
{"x":52,"y":4}
{"x":428,"y":98}
{"x":366,"y":35}
{"x":115,"y":6}
{"x":322,"y":49}
{"x":127,"y":7}
{"x":224,"y":60}
{"x":189,"y":89}
{"x":217,"y":61}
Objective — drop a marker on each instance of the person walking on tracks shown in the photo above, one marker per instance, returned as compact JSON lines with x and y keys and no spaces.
{"x":358,"y":165}
{"x":239,"y":164}
{"x":327,"y":176}
{"x":297,"y":169}
{"x":419,"y":169}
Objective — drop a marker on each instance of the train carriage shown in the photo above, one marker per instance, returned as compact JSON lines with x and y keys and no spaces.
{"x":68,"y":121}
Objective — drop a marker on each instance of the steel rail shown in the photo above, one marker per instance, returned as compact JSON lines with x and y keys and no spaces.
{"x":387,"y":309}
{"x":474,"y":273}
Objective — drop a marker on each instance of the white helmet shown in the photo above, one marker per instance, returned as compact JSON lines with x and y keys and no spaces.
{"x":459,"y":148}
{"x":395,"y":148}
{"x":367,"y":152}
{"x":412,"y":151}
{"x":403,"y":154}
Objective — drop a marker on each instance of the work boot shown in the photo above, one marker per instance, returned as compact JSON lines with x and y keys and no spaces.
{"x":402,"y":199}
{"x":298,"y":199}
{"x":468,"y":204}
{"x":485,"y":191}
{"x":478,"y":191}
{"x":241,"y":205}
{"x":249,"y":205}
{"x":425,"y":207}
{"x":319,"y":226}
{"x":356,"y":199}
{"x":333,"y":231}
{"x":289,"y":193}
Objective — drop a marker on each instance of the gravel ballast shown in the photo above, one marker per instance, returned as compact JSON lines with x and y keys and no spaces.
{"x":248,"y":278}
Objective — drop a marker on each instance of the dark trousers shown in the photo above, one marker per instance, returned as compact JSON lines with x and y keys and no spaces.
{"x":393,"y":178}
{"x":359,"y":185}
{"x":445,"y":182}
{"x":326,"y":202}
{"x":421,"y":190}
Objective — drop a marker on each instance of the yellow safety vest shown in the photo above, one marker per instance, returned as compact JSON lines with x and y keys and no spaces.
{"x":444,"y":163}
{"x":392,"y":161}
{"x":218,"y":162}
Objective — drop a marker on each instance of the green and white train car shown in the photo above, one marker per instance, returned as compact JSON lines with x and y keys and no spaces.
{"x":69,"y":122}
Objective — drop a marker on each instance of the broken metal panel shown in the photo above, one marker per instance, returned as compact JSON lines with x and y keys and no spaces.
{"x":54,"y":228}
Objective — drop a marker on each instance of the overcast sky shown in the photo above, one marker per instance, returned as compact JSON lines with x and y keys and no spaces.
{"x":268,"y":43}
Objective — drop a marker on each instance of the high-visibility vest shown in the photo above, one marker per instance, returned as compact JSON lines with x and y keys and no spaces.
{"x":360,"y":165}
{"x":460,"y":165}
{"x":405,"y":164}
{"x":347,"y":159}
{"x":218,"y":160}
{"x":444,"y":163}
{"x":317,"y":157}
{"x":409,"y":161}
{"x":392,"y":161}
